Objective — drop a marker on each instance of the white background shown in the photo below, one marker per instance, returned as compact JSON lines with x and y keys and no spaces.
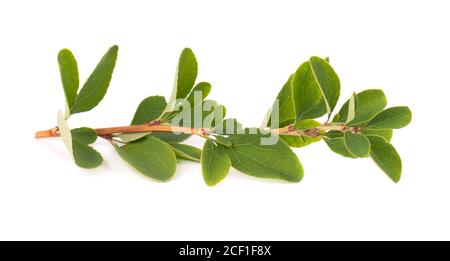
{"x":246,"y":49}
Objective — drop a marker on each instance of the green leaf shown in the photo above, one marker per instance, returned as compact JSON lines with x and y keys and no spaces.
{"x":308,"y":99}
{"x":385,"y":134}
{"x":85,"y":156}
{"x":391,"y":118}
{"x":68,"y":70}
{"x":149,"y":109}
{"x":222,"y":141}
{"x":186,"y":73}
{"x":327,"y":80}
{"x":218,"y":114}
{"x":128,"y":137}
{"x":202,"y":88}
{"x":352,"y":108}
{"x":164,"y":136}
{"x":64,"y":132}
{"x":84,"y":135}
{"x":95,"y":87}
{"x":275,"y":161}
{"x":170,"y":136}
{"x":215,"y":163}
{"x":186,"y":151}
{"x":386,"y":157}
{"x":357,"y":144}
{"x":150,"y":156}
{"x":286,"y":109}
{"x":337,"y":145}
{"x":369,"y":103}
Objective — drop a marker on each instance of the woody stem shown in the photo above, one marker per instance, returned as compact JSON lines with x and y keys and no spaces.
{"x":106,"y":132}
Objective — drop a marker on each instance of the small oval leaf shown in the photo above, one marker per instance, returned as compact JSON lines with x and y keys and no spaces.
{"x":185,"y":151}
{"x":386,"y":157}
{"x":392,"y":118}
{"x":275,"y":161}
{"x":215,"y":163}
{"x":95,"y":87}
{"x":68,"y":70}
{"x":150,"y":156}
{"x":149,"y":109}
{"x":357,"y":144}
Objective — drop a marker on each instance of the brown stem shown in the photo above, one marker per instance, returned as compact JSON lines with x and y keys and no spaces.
{"x":107,"y":132}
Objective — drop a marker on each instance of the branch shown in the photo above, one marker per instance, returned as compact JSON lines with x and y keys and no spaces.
{"x":288,"y":130}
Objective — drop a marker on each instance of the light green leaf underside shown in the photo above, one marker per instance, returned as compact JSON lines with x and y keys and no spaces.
{"x":352,"y":108}
{"x":186,"y":151}
{"x":64,"y":132}
{"x":128,"y":137}
{"x":357,"y":144}
{"x":95,"y":87}
{"x":68,"y":70}
{"x":151,"y":157}
{"x":215,"y":163}
{"x":265,"y":161}
{"x":164,"y":136}
{"x":83,"y":155}
{"x":386,"y":157}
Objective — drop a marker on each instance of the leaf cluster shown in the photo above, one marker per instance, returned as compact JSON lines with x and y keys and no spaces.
{"x":361,"y":128}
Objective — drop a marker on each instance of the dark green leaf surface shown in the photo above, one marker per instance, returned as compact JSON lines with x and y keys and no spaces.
{"x":68,"y":70}
{"x":308,"y":99}
{"x":327,"y":80}
{"x":95,"y":87}
{"x":151,"y":157}
{"x":357,"y":144}
{"x":370,"y":102}
{"x":386,"y":157}
{"x":215,"y":163}
{"x":186,"y":73}
{"x":84,"y":135}
{"x":149,"y":109}
{"x":337,"y":145}
{"x":223,"y":141}
{"x":392,"y":118}
{"x":385,"y":134}
{"x":85,"y":156}
{"x":202,"y":89}
{"x":186,"y":151}
{"x":265,"y":161}
{"x":286,"y":109}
